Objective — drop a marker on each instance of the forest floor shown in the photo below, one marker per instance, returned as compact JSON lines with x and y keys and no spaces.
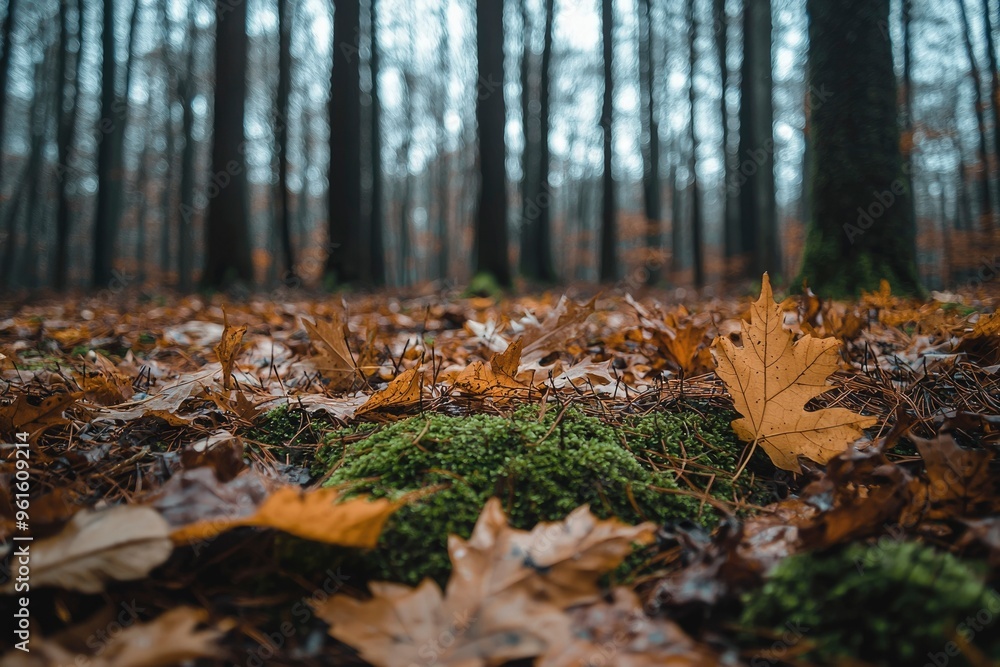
{"x":557,"y":479}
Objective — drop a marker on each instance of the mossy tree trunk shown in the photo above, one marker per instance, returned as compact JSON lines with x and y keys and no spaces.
{"x":860,"y":230}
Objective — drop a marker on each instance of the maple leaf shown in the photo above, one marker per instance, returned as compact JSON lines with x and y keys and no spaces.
{"x":122,"y":543}
{"x":27,"y":414}
{"x":228,"y":347}
{"x":771,"y":379}
{"x":505,"y":599}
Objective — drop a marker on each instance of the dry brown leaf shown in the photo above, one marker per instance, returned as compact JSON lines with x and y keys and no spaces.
{"x":684,"y":347}
{"x":960,"y":482}
{"x":558,"y":328}
{"x":619,"y":633}
{"x":505,"y":599}
{"x":771,"y":379}
{"x":334,"y":360}
{"x":170,"y":639}
{"x":169,"y":399}
{"x":120,"y":543}
{"x":34,"y":415}
{"x":228,"y":347}
{"x":497,"y":378}
{"x":403,"y":391}
{"x":314,"y":515}
{"x":560,"y":562}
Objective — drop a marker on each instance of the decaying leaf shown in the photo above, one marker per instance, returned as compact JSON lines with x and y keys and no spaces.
{"x":497,"y":378}
{"x":771,"y":379}
{"x":402,"y":391}
{"x":318,"y":515}
{"x":228,"y":347}
{"x":33,"y":414}
{"x":505,"y":598}
{"x":120,"y":543}
{"x":172,"y":638}
{"x":334,"y":360}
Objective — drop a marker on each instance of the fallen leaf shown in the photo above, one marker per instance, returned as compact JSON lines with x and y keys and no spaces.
{"x":121,"y":543}
{"x":497,"y":378}
{"x":771,"y":379}
{"x":170,"y":639}
{"x":318,"y":515}
{"x":34,"y":415}
{"x":402,"y":391}
{"x":334,"y":360}
{"x":228,"y":347}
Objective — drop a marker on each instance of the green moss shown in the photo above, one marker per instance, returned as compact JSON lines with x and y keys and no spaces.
{"x":282,"y":430}
{"x":702,"y":447}
{"x":892,"y":603}
{"x":542,"y":470}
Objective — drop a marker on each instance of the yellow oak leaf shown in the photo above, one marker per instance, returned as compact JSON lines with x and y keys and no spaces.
{"x":404,"y":390}
{"x":771,"y":379}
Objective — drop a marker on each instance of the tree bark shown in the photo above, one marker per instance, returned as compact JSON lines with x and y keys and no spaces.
{"x":697,"y":249}
{"x":732,"y":246}
{"x":860,"y":231}
{"x":983,"y":181}
{"x":66,"y":138}
{"x":109,"y":168}
{"x":609,"y":238}
{"x":281,"y":128}
{"x":346,"y":262}
{"x":227,"y":242}
{"x":650,"y":144}
{"x":376,"y":245}
{"x":185,"y":228}
{"x":755,"y":179}
{"x":491,"y":214}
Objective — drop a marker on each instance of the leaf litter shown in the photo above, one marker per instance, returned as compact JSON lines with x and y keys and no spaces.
{"x":152,"y":480}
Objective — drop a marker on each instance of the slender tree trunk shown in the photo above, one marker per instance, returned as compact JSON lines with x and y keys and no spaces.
{"x":284,"y":95}
{"x":491,"y":214}
{"x":651,"y":143}
{"x":994,"y":87}
{"x":143,"y":211}
{"x":444,"y":157}
{"x":676,"y":215}
{"x":376,"y":245}
{"x":347,"y":260}
{"x":850,"y":65}
{"x":906,"y":145}
{"x":983,"y":184}
{"x":405,"y":204}
{"x":108,"y":170}
{"x":185,"y":230}
{"x":67,"y":137}
{"x":544,"y":270}
{"x":758,"y":212}
{"x":167,"y":183}
{"x":732,"y":246}
{"x":530,"y":121}
{"x":609,"y":239}
{"x":7,"y":30}
{"x":697,"y":243}
{"x":227,"y":238}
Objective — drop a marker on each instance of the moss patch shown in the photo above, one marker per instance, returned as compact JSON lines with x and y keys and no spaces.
{"x":541,"y":469}
{"x":913,"y":599}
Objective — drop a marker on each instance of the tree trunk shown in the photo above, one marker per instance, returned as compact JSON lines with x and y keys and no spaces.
{"x":167,"y":184}
{"x":66,"y":121}
{"x":544,"y":270}
{"x":405,"y":203}
{"x":7,"y":30}
{"x":676,"y":213}
{"x":227,"y":238}
{"x":697,"y":249}
{"x":983,"y":181}
{"x":376,"y":245}
{"x":185,"y":228}
{"x":109,"y":168}
{"x":732,"y":245}
{"x":347,"y":260}
{"x":758,"y":212}
{"x":281,"y":128}
{"x":609,"y":240}
{"x":860,"y":231}
{"x":444,"y":158}
{"x":650,"y":144}
{"x":994,"y":86}
{"x":906,"y":145}
{"x":491,"y":213}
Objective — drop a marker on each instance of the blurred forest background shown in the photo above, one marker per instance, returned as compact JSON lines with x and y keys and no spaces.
{"x":178,"y":143}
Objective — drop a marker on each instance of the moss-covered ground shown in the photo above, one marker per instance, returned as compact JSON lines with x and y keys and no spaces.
{"x":659,"y":467}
